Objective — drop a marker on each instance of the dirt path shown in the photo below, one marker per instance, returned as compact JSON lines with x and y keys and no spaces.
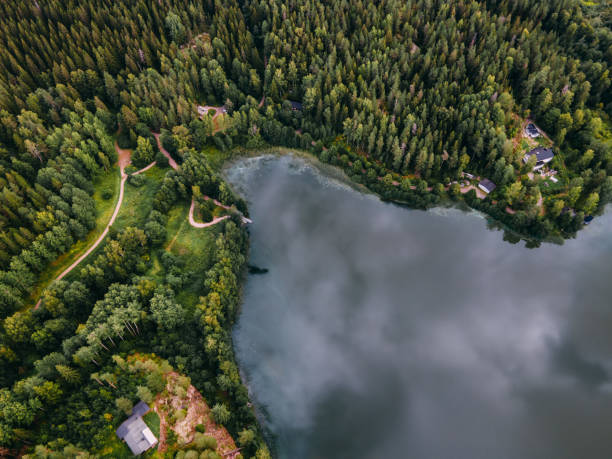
{"x":203,"y":111}
{"x":195,"y":224}
{"x":123,"y":161}
{"x":192,"y":222}
{"x":173,"y":164}
{"x":479,"y":192}
{"x":218,"y":110}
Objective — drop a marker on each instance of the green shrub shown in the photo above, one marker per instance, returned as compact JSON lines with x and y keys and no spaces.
{"x":220,"y":413}
{"x":202,"y":442}
{"x":136,"y":180}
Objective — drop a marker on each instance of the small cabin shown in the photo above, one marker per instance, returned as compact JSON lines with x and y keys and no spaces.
{"x":135,"y":432}
{"x":532,"y":131}
{"x":543,"y":156}
{"x":487,"y":185}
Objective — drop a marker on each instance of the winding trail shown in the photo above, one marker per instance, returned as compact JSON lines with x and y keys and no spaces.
{"x":192,"y":221}
{"x":171,"y":161}
{"x":124,"y":160}
{"x":195,"y":224}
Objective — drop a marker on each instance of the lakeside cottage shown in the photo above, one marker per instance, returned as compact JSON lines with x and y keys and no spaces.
{"x":532,"y":131}
{"x":543,"y":156}
{"x":135,"y":432}
{"x":487,"y":185}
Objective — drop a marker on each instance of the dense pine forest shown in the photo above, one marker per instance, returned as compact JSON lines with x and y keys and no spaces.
{"x":417,"y":100}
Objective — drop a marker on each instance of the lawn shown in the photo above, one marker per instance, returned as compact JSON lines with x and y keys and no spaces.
{"x":104,"y":208}
{"x":151,"y":419}
{"x":195,"y":248}
{"x":138,"y":201}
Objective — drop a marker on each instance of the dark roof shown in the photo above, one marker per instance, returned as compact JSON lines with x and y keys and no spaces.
{"x":295,"y":105}
{"x":532,"y":129}
{"x":135,"y":432}
{"x":488,"y":184}
{"x":588,"y":219}
{"x":140,"y":409}
{"x":541,"y":153}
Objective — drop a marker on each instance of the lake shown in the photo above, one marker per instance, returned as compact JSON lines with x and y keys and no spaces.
{"x":381,"y":331}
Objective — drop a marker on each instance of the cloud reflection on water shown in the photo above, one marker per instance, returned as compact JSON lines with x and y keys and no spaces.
{"x":385,"y":331}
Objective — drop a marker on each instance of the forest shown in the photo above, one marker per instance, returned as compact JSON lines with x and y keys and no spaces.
{"x":417,"y":100}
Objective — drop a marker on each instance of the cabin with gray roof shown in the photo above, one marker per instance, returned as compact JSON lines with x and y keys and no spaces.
{"x":543,"y":156}
{"x":487,"y":185}
{"x":135,"y":432}
{"x":532,"y":131}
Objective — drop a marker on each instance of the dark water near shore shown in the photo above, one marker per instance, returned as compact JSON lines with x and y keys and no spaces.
{"x":385,"y":332}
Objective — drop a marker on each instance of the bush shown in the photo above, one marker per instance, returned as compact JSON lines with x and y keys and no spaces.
{"x":202,"y":442}
{"x":107,"y":194}
{"x":201,"y":428}
{"x":130,"y":170}
{"x":136,"y":180}
{"x":161,"y":160}
{"x":220,"y":413}
{"x":205,"y":214}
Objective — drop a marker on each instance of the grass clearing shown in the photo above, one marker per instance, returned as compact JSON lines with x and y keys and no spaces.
{"x":138,"y":201}
{"x":107,"y":183}
{"x":195,"y":247}
{"x":151,"y":419}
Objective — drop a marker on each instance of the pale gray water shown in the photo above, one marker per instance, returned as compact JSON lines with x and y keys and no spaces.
{"x":386,"y":332}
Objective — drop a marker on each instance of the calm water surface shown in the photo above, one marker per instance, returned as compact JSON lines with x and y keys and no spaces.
{"x":386,"y":332}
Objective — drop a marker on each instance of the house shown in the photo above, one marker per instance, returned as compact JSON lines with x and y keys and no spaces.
{"x":487,"y":185}
{"x":543,"y":156}
{"x":470,"y":176}
{"x":554,"y":179}
{"x":295,"y":106}
{"x":135,"y":432}
{"x":202,"y":110}
{"x":532,"y":131}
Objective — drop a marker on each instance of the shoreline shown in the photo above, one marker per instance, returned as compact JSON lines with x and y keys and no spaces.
{"x":239,"y":154}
